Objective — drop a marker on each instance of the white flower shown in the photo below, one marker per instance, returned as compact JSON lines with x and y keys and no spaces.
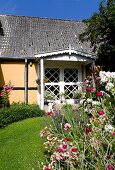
{"x":105,"y":94}
{"x":109,"y":86}
{"x":82,"y":101}
{"x":104,"y":79}
{"x":106,"y":76}
{"x":103,"y":76}
{"x":109,"y":128}
{"x":113,"y":75}
{"x":95,"y":103}
{"x":89,"y":100}
{"x":86,"y":110}
{"x":88,"y":124}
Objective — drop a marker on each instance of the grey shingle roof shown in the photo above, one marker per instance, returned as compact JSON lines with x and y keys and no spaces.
{"x":26,"y":36}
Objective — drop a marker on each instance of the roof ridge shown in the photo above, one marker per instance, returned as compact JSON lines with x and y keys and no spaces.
{"x":61,"y":19}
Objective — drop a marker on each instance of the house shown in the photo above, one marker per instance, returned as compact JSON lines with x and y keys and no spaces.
{"x":36,"y":48}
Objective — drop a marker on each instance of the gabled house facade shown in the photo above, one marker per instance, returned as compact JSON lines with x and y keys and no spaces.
{"x":40,"y":48}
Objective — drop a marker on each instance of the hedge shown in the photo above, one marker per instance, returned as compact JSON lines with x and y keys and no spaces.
{"x":17,"y":112}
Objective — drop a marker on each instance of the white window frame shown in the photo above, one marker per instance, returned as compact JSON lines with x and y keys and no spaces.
{"x":61,"y":82}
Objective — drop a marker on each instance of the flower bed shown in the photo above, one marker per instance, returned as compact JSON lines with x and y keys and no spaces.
{"x":84,"y":138}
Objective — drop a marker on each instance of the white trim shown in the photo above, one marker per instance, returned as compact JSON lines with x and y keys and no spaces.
{"x":79,"y":77}
{"x":61,"y":82}
{"x":70,"y":51}
{"x":42,"y":84}
{"x":38,"y":93}
{"x":68,"y":58}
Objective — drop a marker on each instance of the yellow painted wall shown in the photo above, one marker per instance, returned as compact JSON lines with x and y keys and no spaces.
{"x":17,"y":96}
{"x":32,"y":75}
{"x":14,"y":72}
{"x":32,"y":96}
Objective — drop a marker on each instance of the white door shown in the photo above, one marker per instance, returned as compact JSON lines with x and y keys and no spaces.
{"x":61,"y":80}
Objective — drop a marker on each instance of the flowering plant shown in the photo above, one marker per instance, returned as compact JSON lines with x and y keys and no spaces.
{"x":7,"y":88}
{"x":77,"y":94}
{"x":48,"y":96}
{"x":83,"y":138}
{"x":109,"y":79}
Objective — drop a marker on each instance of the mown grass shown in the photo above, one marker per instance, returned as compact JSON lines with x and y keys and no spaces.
{"x":21,"y":147}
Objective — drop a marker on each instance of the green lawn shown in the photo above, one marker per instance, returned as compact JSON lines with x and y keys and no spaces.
{"x":21,"y":147}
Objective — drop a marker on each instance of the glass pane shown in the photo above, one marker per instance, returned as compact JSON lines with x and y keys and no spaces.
{"x":53,"y":89}
{"x":70,"y":89}
{"x":70,"y":75}
{"x":52,"y":74}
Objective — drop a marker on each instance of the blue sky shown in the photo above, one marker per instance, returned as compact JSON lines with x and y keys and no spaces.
{"x":64,"y":9}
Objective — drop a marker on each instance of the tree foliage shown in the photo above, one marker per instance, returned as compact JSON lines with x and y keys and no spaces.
{"x":100,"y":31}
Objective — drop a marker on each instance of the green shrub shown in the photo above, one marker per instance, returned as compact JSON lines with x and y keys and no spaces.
{"x":17,"y":112}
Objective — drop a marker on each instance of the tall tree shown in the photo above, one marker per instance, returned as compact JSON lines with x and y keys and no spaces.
{"x":100,"y":31}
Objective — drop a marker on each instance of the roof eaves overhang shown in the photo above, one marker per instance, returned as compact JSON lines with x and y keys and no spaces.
{"x":50,"y":54}
{"x":16,"y":57}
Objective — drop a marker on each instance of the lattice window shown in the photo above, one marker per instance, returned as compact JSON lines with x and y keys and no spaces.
{"x":53,"y":89}
{"x":52,"y":74}
{"x":70,"y":89}
{"x":70,"y":75}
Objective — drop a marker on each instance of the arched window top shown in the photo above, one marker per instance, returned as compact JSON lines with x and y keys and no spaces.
{"x":1,"y":29}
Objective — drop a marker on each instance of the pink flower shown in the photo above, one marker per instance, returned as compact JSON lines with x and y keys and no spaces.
{"x":101,"y":112}
{"x":68,"y":139}
{"x":74,"y":150}
{"x":50,"y":113}
{"x":8,"y":88}
{"x":110,"y":167}
{"x":5,"y":87}
{"x":113,"y":133}
{"x":99,"y":94}
{"x":89,"y":89}
{"x":46,"y":168}
{"x":64,"y":146}
{"x":67,"y":126}
{"x":59,"y":157}
{"x":60,"y":150}
{"x":87,"y":130}
{"x":2,"y":93}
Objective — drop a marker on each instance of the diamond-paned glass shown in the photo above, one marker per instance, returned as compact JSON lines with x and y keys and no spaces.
{"x":52,"y":74}
{"x":70,"y":89}
{"x":53,"y":89}
{"x":70,"y":75}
